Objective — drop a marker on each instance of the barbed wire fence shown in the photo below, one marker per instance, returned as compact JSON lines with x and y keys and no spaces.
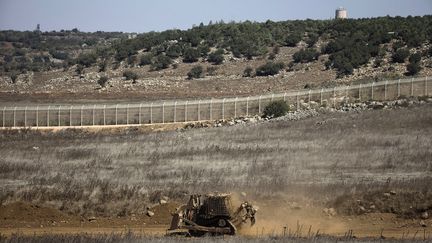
{"x":202,"y":110}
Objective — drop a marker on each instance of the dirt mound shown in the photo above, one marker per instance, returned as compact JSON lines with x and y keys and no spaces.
{"x":31,"y":213}
{"x":403,"y":204}
{"x":162,"y":213}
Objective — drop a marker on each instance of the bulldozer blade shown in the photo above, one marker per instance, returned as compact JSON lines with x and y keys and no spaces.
{"x":175,"y":222}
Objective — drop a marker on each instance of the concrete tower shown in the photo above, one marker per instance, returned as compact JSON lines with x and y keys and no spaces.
{"x":341,"y":13}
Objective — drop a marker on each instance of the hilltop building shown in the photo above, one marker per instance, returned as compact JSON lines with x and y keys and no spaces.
{"x":341,"y":13}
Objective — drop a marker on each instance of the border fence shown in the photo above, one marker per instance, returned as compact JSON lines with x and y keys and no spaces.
{"x":201,"y":110}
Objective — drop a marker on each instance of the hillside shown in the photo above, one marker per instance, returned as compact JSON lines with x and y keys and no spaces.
{"x":220,"y":59}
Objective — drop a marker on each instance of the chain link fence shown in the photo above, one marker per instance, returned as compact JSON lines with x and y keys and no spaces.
{"x":201,"y":110}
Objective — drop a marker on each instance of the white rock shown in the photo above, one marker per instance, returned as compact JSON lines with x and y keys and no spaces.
{"x":425,"y":215}
{"x":150,"y":213}
{"x":332,"y":212}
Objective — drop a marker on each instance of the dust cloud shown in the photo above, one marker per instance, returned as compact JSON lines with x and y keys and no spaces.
{"x":283,"y":216}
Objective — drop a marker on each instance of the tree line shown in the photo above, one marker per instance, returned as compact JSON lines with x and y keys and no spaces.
{"x":350,"y":44}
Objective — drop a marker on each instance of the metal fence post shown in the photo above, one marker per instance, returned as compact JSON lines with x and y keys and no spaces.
{"x":81,"y":115}
{"x":272,"y":97}
{"x":334,"y":97}
{"x":426,"y":86}
{"x":70,"y":116}
{"x":297,"y":100}
{"x":127,"y":114}
{"x":235,"y":107}
{"x":14,"y":117}
{"x":359,"y":94}
{"x":385,"y":90}
{"x":25,"y":117}
{"x":398,"y":88}
{"x":104,"y":115}
{"x":3,"y":115}
{"x":284,"y":97}
{"x":247,"y":106}
{"x":412,"y":87}
{"x":321,"y":99}
{"x":139,"y":114}
{"x":116,"y":114}
{"x":186,"y":105}
{"x":37,"y":116}
{"x":93,"y":114}
{"x":372,"y":91}
{"x":211,"y":109}
{"x":309,"y":98}
{"x":59,"y":111}
{"x":199,"y":115}
{"x":223,"y":109}
{"x":259,"y":105}
{"x":163,"y":112}
{"x":48,"y":118}
{"x":151,"y":113}
{"x":346,"y":92}
{"x":175,"y":111}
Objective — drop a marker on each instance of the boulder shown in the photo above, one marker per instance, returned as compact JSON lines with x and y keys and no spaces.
{"x":332,"y":212}
{"x":150,"y":213}
{"x":425,"y":215}
{"x":377,"y":105}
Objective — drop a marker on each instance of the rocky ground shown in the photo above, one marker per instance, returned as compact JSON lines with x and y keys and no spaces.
{"x":226,"y":81}
{"x":311,"y":109}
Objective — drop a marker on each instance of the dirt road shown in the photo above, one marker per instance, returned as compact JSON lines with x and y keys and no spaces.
{"x":29,"y":219}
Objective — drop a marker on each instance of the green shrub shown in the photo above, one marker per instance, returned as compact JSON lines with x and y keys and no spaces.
{"x":14,"y":77}
{"x":146,"y":59}
{"x":211,"y":71}
{"x":195,"y":72}
{"x":102,"y":66}
{"x":415,"y":58}
{"x":413,"y":68}
{"x":276,"y":50}
{"x":130,"y":75}
{"x":79,"y":69}
{"x":272,"y":56}
{"x":59,"y":54}
{"x":131,"y":60}
{"x":87,"y":59}
{"x":203,"y":50}
{"x":400,"y":55}
{"x":191,"y":55}
{"x":174,"y":51}
{"x":293,"y":39}
{"x":216,"y":57}
{"x":270,"y":68}
{"x":276,"y":109}
{"x":103,"y":81}
{"x":248,"y":72}
{"x":305,"y":55}
{"x":161,"y":62}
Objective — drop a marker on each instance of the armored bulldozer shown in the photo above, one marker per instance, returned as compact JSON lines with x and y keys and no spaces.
{"x":211,"y":214}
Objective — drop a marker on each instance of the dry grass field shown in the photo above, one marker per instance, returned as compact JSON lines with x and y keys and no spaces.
{"x":133,"y":239}
{"x":348,"y":161}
